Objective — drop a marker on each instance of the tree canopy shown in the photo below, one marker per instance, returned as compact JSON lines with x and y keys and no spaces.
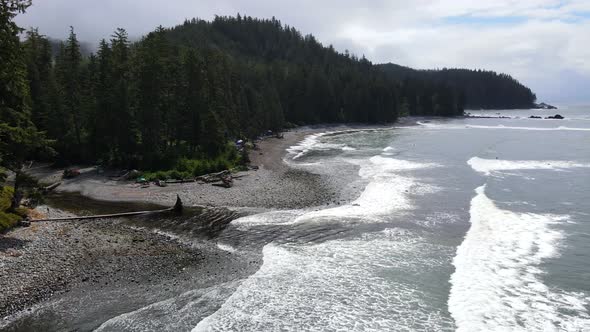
{"x":184,"y":92}
{"x":481,"y":89}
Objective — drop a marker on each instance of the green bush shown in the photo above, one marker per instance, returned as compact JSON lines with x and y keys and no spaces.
{"x":185,"y":168}
{"x":5,"y":197}
{"x":7,"y":220}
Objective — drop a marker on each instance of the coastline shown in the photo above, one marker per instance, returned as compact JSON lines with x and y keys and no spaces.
{"x":65,"y":261}
{"x":262,"y":188}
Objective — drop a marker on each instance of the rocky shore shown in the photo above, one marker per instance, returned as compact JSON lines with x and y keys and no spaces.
{"x":266,"y":187}
{"x":118,"y":263}
{"x":52,"y":259}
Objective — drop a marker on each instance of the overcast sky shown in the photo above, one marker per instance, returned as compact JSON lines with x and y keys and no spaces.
{"x":543,"y":43}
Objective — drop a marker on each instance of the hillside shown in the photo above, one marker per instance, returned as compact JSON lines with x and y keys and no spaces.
{"x":482,"y":89}
{"x":183,"y":92}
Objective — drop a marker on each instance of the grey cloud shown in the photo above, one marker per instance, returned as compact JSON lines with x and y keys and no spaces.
{"x":542,"y":53}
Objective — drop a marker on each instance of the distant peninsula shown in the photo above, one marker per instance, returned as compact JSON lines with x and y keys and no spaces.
{"x":479,"y":89}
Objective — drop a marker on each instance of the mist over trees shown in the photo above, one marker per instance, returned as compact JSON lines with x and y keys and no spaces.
{"x":184,"y":92}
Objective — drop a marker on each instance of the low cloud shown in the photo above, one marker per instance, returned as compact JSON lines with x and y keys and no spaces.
{"x":543,"y":43}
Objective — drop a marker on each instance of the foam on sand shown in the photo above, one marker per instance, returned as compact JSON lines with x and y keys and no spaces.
{"x":488,"y":166}
{"x":497,"y":284}
{"x":178,"y":313}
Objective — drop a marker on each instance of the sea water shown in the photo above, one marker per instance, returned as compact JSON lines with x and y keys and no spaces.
{"x":463,"y":224}
{"x":460,"y":224}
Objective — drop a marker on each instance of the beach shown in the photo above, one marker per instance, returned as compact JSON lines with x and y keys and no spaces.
{"x":62,"y":260}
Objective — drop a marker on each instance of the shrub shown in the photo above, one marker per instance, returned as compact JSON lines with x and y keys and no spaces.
{"x":7,"y":220}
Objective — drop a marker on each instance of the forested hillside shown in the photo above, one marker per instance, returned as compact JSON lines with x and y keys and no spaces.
{"x":482,"y":89}
{"x":185,"y":92}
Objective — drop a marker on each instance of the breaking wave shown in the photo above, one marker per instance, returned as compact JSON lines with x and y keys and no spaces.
{"x":488,"y":166}
{"x":497,"y":283}
{"x":469,"y":126}
{"x":335,"y":285}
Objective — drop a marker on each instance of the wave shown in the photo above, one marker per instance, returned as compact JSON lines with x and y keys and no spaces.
{"x":179,"y":313}
{"x":497,"y":283}
{"x":560,"y":128}
{"x":468,"y":126}
{"x":336,"y":285}
{"x":488,"y":166}
{"x":305,"y":145}
{"x":312,"y":143}
{"x":386,"y":192}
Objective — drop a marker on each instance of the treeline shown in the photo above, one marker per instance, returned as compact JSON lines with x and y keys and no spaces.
{"x":482,"y":89}
{"x":185,"y":92}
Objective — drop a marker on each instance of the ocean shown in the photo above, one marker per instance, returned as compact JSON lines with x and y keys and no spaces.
{"x":463,"y":224}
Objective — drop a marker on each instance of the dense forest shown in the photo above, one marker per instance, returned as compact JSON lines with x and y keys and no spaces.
{"x":184,"y":92}
{"x":180,"y":94}
{"x":482,"y":89}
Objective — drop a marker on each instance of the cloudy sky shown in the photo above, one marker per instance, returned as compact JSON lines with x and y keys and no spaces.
{"x":543,"y":43}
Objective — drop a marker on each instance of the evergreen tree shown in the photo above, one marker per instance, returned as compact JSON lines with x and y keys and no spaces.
{"x":19,"y":138}
{"x":186,"y":91}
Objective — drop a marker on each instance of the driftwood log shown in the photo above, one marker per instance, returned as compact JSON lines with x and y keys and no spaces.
{"x":213,"y":177}
{"x":177,"y":208}
{"x":51,"y":187}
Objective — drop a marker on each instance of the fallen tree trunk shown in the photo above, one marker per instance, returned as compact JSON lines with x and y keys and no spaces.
{"x":177,"y":208}
{"x":180,"y":181}
{"x":52,"y":187}
{"x":212,"y":177}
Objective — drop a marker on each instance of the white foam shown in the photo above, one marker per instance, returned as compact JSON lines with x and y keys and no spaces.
{"x":560,"y":128}
{"x":304,"y":146}
{"x":445,"y":126}
{"x":386,"y":192}
{"x":281,"y":217}
{"x":179,"y":313}
{"x":380,"y":167}
{"x":340,"y":285}
{"x":488,"y":166}
{"x":312,"y":142}
{"x":226,"y":247}
{"x":497,"y":283}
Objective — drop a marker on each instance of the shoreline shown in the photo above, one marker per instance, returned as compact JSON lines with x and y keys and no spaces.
{"x":262,"y":188}
{"x":61,"y":261}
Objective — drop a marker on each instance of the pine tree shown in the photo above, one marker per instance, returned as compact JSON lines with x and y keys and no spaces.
{"x":69,"y":109}
{"x":19,"y":138}
{"x":123,"y":129}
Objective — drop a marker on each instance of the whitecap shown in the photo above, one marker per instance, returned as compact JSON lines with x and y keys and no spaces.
{"x":444,"y":126}
{"x":560,"y":128}
{"x":497,"y":283}
{"x":488,"y":166}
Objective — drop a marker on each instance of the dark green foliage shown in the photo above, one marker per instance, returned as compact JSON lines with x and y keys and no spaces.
{"x":19,"y":138}
{"x":175,"y":98}
{"x":7,"y":219}
{"x":185,"y":168}
{"x":477,"y":89}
